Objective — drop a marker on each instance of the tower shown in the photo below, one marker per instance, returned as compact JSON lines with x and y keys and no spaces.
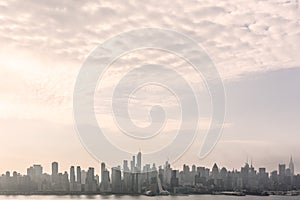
{"x":72,"y":174}
{"x":132,"y":164}
{"x":215,"y":171}
{"x":78,"y":173}
{"x":116,"y":180}
{"x":54,"y":168}
{"x":102,"y":171}
{"x":54,"y":175}
{"x":139,"y":162}
{"x":90,"y":183}
{"x":125,"y":166}
{"x":291,"y":166}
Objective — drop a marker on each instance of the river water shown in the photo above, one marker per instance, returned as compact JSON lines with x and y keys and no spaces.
{"x":190,"y":197}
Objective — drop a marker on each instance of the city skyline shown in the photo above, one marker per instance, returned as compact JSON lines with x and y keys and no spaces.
{"x":149,"y":179}
{"x":64,"y":167}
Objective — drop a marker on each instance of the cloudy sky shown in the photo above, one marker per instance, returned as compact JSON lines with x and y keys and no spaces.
{"x":254,"y":45}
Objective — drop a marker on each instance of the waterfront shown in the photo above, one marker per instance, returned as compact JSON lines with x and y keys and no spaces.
{"x":125,"y":197}
{"x":152,"y":181}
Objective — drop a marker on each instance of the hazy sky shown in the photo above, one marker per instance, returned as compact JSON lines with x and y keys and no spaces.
{"x":254,"y":45}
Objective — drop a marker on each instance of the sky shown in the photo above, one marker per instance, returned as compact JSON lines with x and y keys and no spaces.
{"x":254,"y":45}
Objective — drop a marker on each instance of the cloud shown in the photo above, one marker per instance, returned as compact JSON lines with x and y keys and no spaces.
{"x":240,"y":37}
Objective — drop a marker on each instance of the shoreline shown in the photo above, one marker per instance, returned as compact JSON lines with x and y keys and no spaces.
{"x":123,"y":194}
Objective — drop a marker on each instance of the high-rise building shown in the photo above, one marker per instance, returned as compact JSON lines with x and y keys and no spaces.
{"x":65,"y":182}
{"x":90,"y":174}
{"x":282,"y":173}
{"x":139,"y":162}
{"x":72,"y":174}
{"x":125,"y":166}
{"x":128,"y":182}
{"x":116,"y":180}
{"x":54,"y":168}
{"x":167,"y":174}
{"x":54,"y":174}
{"x":105,"y":183}
{"x":282,"y":170}
{"x":38,"y":170}
{"x":245,"y":176}
{"x":263,"y":177}
{"x":102,"y":171}
{"x":83,"y":176}
{"x":35,"y":172}
{"x":78,"y":173}
{"x":193,"y":168}
{"x":174,"y":180}
{"x":90,"y":183}
{"x":75,"y":185}
{"x":215,"y":171}
{"x":291,"y":166}
{"x":72,"y":179}
{"x":132,"y":164}
{"x":97,"y":178}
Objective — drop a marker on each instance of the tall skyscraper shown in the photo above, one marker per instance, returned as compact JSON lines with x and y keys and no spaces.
{"x":281,"y":169}
{"x":116,"y":180}
{"x":215,"y":171}
{"x":125,"y":166}
{"x":54,"y":168}
{"x":102,"y":171}
{"x":83,"y":176}
{"x":105,"y":184}
{"x":54,"y":175}
{"x":90,"y":174}
{"x":78,"y":173}
{"x":139,"y":162}
{"x":72,"y":174}
{"x":245,"y":175}
{"x":132,"y":164}
{"x":291,"y":166}
{"x":91,"y":183}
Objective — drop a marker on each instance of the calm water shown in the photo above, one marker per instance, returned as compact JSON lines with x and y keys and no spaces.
{"x":190,"y":197}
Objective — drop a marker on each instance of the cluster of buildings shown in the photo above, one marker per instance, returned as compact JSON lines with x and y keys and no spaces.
{"x":134,"y":178}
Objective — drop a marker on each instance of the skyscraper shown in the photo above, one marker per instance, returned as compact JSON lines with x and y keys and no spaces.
{"x":132,"y":164}
{"x":91,"y":183}
{"x":83,"y":176}
{"x":102,"y":171}
{"x":72,"y":174}
{"x":125,"y":166}
{"x":72,"y":179}
{"x":281,"y":169}
{"x":116,"y":179}
{"x":54,"y":168}
{"x":54,"y":175}
{"x":78,"y":173}
{"x":105,"y":184}
{"x":282,"y":173}
{"x":139,"y":162}
{"x":215,"y":171}
{"x":291,"y":166}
